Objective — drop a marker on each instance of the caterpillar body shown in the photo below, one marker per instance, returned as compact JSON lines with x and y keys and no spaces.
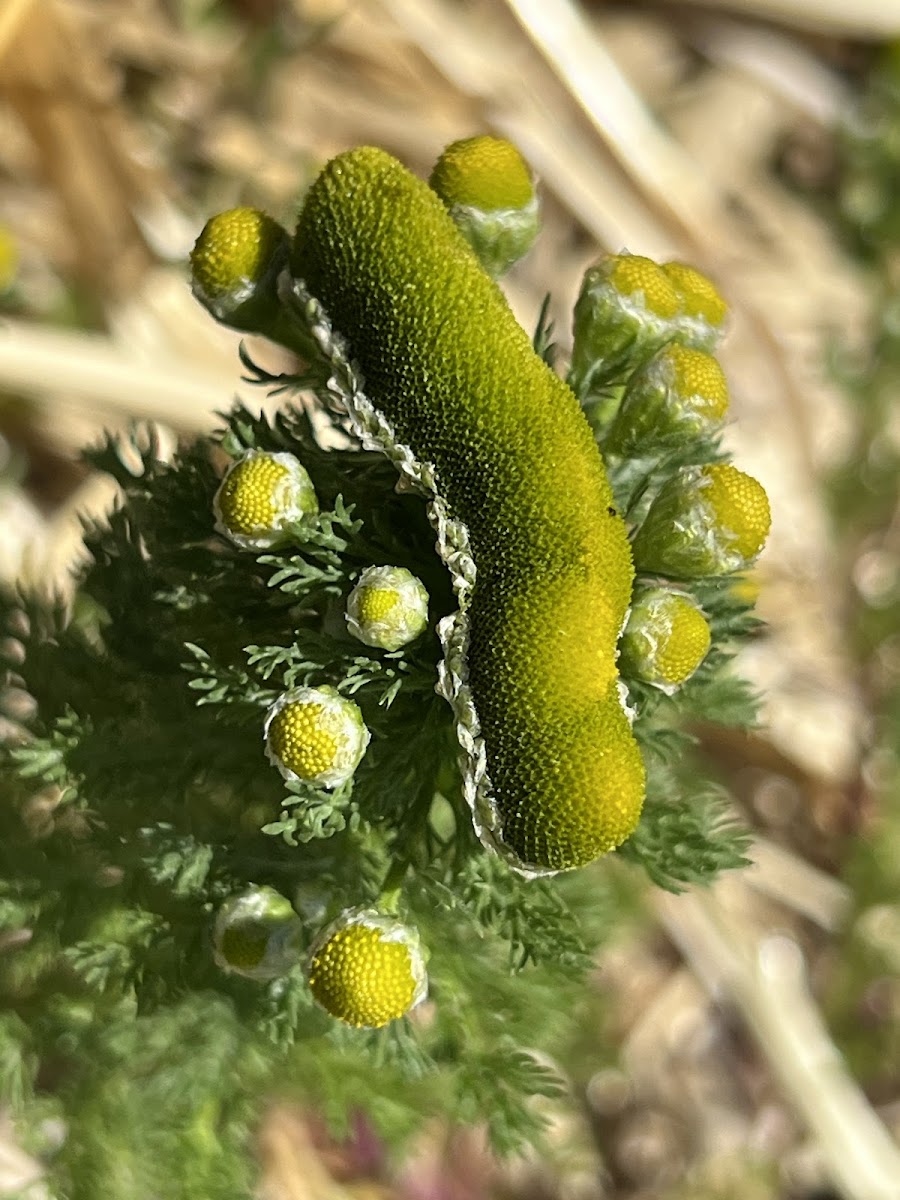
{"x":454,"y":375}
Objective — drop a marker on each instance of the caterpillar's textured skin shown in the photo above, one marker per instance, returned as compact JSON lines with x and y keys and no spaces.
{"x":451,"y":369}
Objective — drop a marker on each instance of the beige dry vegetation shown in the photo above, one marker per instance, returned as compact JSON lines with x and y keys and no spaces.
{"x":124,"y":123}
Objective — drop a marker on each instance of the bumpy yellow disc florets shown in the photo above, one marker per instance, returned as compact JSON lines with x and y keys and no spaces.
{"x":699,"y":295}
{"x":486,"y":172}
{"x":680,"y":656}
{"x":261,"y":496}
{"x":233,"y":252}
{"x":705,"y":521}
{"x":666,"y":639}
{"x":388,"y":608}
{"x":449,"y":367}
{"x":367,"y":970}
{"x":315,"y":735}
{"x":644,"y":280}
{"x":741,"y":508}
{"x":375,"y":604}
{"x":698,"y":380}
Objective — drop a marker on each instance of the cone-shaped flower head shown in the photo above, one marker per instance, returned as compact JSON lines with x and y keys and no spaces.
{"x":666,"y":639}
{"x":489,"y":192}
{"x":678,"y":395}
{"x":367,"y":969}
{"x":626,"y":309}
{"x":703,"y":311}
{"x":705,"y":521}
{"x":553,"y":772}
{"x":388,"y":608}
{"x":234,"y":264}
{"x":316,"y":736}
{"x":257,"y":934}
{"x":261,"y":498}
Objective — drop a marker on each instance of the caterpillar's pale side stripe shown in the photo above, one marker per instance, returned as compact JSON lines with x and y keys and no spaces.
{"x":446,"y":363}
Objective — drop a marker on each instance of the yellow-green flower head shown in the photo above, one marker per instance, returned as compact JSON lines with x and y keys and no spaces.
{"x":388,"y":608}
{"x":708,"y":520}
{"x":9,"y":258}
{"x":487,"y":172}
{"x":666,"y":639}
{"x":626,"y":309}
{"x":316,"y":736}
{"x":489,"y":192}
{"x":257,"y":934}
{"x":678,"y":395}
{"x":262,"y":497}
{"x":704,"y":313}
{"x":367,"y":969}
{"x":450,"y":369}
{"x":234,"y":263}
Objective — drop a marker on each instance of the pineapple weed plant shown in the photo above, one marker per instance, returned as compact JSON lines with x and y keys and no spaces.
{"x":327,"y":743}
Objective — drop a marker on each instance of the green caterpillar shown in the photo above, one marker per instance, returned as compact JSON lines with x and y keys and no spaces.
{"x":446,"y":363}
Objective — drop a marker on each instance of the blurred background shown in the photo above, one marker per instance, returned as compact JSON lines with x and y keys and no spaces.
{"x":746,"y":1040}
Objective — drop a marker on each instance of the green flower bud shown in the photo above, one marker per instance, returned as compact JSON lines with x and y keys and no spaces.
{"x":666,"y":639}
{"x":705,"y":521}
{"x":262,"y":496}
{"x":367,"y":969}
{"x":626,"y":309}
{"x":701,"y":321}
{"x":234,"y":267}
{"x":388,"y":608}
{"x":489,"y":192}
{"x":316,"y":736}
{"x":257,"y":934}
{"x":678,"y":395}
